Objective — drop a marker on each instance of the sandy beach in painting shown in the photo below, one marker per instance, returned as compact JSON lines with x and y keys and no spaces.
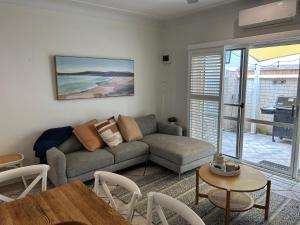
{"x":117,"y":86}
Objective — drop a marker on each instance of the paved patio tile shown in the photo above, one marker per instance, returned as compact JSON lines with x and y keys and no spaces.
{"x":259,"y":148}
{"x":296,"y":188}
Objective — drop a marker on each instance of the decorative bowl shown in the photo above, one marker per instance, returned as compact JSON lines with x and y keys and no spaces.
{"x":216,"y":170}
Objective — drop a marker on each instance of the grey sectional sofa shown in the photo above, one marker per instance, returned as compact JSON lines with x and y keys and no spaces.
{"x":162,"y":144}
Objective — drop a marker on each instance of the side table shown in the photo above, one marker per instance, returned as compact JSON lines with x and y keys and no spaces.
{"x":14,"y":160}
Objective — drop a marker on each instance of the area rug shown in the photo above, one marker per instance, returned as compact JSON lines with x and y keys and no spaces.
{"x":283,"y":210}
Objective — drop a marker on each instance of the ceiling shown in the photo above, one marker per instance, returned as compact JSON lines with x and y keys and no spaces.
{"x":159,"y":9}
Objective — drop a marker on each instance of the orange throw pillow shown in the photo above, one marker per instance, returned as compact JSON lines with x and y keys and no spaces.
{"x":129,"y":128}
{"x":88,"y":136}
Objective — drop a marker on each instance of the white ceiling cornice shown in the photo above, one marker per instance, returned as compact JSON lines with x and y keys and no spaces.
{"x":76,"y":7}
{"x":105,"y":7}
{"x":147,"y":10}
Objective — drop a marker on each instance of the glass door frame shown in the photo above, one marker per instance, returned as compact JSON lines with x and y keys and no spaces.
{"x":294,"y":161}
{"x":241,"y":99}
{"x":295,"y":148}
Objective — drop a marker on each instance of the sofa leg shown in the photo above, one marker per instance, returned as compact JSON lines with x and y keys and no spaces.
{"x":146,"y":165}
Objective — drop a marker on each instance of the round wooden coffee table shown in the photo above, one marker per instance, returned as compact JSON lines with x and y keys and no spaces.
{"x":231,"y":193}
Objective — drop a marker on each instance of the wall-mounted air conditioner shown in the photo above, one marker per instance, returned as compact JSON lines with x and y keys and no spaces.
{"x":275,"y":12}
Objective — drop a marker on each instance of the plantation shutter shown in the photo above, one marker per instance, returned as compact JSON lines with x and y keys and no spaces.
{"x":205,"y":88}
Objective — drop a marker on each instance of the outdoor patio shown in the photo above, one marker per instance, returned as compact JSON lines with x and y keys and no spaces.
{"x":259,"y":148}
{"x":271,"y":90}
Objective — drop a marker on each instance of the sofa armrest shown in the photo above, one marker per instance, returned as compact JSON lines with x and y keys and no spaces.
{"x":57,"y":162}
{"x":172,"y":129}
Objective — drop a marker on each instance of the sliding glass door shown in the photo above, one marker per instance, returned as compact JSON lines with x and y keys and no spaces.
{"x":260,"y":106}
{"x":271,"y":109}
{"x":233,"y":103}
{"x":246,"y":102}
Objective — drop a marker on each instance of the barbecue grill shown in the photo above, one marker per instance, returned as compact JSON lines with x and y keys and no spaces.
{"x":283,"y":112}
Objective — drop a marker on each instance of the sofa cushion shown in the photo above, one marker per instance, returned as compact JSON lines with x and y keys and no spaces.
{"x":178,"y":149}
{"x":70,"y":145}
{"x":109,"y":132}
{"x":130,"y":150}
{"x":129,"y":128}
{"x":147,"y":124}
{"x":88,"y":136}
{"x":83,"y":161}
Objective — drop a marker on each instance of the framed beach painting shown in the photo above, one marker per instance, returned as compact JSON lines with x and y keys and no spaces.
{"x":84,"y":77}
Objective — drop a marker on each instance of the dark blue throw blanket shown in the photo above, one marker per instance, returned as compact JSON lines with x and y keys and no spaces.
{"x":51,"y":138}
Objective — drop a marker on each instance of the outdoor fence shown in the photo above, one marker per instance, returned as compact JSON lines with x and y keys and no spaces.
{"x":271,"y":86}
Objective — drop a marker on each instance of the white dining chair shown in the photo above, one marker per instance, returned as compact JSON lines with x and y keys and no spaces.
{"x":103,"y":178}
{"x":39,"y":170}
{"x":158,"y":200}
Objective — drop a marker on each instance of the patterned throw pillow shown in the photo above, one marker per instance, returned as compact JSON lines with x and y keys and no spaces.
{"x":109,"y":132}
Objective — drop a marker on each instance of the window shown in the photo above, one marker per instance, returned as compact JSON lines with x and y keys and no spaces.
{"x":205,"y":75}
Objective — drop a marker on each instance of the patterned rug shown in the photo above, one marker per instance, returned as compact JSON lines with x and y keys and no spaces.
{"x":283,"y":211}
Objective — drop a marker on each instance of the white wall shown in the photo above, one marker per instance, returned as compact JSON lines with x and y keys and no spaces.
{"x":31,"y":34}
{"x":211,"y":25}
{"x":29,"y":37}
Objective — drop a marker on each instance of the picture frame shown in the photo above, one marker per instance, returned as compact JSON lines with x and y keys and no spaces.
{"x":90,"y":77}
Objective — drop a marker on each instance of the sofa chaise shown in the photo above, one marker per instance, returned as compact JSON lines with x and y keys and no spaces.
{"x":162,"y":143}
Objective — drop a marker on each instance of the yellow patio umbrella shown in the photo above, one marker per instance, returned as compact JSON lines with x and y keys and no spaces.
{"x":266,"y":53}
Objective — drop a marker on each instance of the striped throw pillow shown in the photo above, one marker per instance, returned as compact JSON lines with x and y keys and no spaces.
{"x":109,"y":132}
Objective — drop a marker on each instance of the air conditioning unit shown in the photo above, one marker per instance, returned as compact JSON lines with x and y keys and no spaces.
{"x":275,"y":12}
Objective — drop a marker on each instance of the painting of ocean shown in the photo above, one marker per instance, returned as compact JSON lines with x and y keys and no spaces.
{"x":83,"y":77}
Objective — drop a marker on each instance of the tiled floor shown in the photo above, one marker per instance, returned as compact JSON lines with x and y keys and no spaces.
{"x":258,"y":148}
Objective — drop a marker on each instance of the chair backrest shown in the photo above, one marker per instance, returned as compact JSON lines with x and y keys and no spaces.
{"x":103,"y":177}
{"x":39,"y":170}
{"x":158,"y":200}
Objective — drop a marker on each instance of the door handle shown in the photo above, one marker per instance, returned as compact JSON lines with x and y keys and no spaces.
{"x":295,"y":110}
{"x":237,"y":105}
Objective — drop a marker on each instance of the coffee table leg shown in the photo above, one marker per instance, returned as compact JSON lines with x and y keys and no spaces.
{"x":197,"y":187}
{"x":267,"y":205}
{"x":227,"y":208}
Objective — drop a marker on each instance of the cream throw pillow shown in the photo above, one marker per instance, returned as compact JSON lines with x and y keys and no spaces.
{"x":109,"y":132}
{"x":129,"y":128}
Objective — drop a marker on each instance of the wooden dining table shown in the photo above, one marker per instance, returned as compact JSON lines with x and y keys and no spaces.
{"x":71,"y":202}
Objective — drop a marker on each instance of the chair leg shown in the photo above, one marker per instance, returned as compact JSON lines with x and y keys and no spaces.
{"x":179,"y":175}
{"x":132,"y":216}
{"x":23,"y":178}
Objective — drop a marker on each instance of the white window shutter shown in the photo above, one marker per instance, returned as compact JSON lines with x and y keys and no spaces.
{"x":205,"y":94}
